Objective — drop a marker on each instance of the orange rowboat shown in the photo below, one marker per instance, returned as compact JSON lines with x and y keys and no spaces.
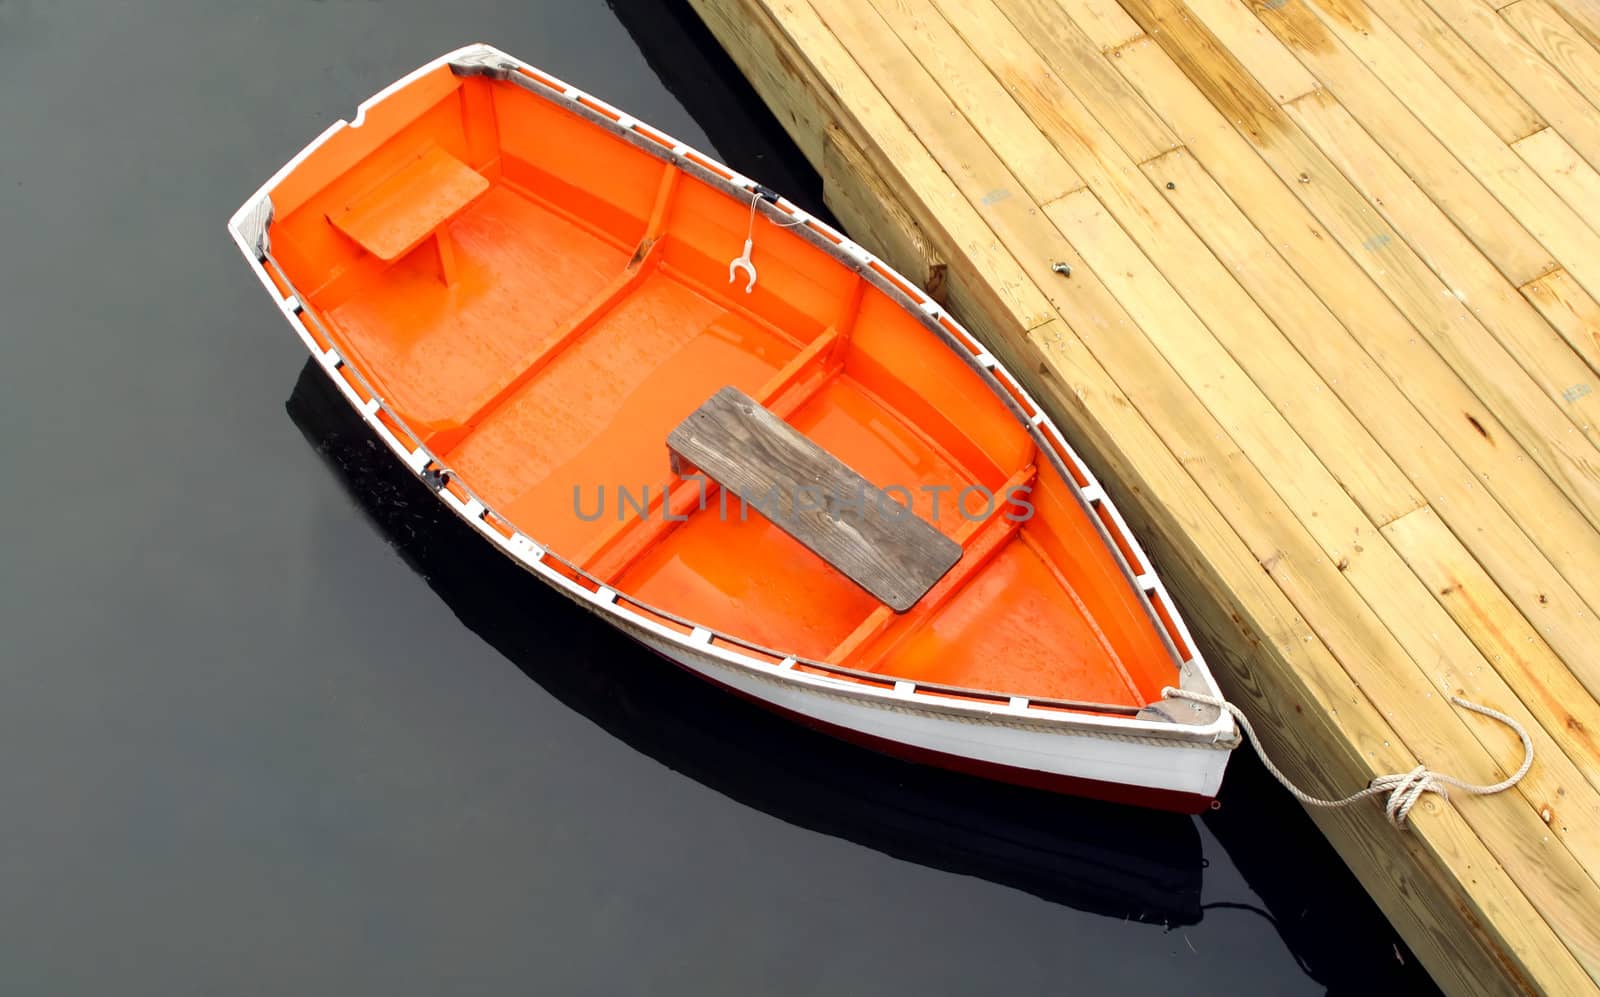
{"x":730,"y":431}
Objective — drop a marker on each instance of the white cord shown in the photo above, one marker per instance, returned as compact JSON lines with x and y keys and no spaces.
{"x":742,"y":261}
{"x":1404,"y":788}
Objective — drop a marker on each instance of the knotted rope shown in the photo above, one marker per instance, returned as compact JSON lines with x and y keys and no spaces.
{"x":1404,"y":788}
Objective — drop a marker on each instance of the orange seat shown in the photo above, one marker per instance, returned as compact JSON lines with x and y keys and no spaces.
{"x":394,"y":217}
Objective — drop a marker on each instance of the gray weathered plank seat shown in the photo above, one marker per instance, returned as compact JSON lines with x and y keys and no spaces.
{"x":814,"y":497}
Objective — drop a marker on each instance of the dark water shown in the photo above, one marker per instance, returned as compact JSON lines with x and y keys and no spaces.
{"x":270,"y":723}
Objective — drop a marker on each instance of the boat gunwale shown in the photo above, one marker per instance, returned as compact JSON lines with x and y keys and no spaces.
{"x":250,"y":225}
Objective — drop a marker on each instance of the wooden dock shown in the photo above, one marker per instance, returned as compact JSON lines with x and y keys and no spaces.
{"x":1330,"y":332}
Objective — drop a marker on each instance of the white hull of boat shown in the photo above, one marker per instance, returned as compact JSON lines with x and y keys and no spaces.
{"x":1149,"y":762}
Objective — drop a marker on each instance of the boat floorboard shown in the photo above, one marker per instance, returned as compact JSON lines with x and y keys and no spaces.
{"x":442,"y":346}
{"x":1330,"y":331}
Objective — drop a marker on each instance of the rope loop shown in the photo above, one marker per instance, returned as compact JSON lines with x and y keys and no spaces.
{"x":1404,"y":789}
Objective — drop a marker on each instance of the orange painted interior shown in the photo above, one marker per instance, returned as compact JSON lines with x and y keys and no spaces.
{"x":541,"y":303}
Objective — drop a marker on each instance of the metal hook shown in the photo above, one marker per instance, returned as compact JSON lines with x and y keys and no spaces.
{"x":742,"y":262}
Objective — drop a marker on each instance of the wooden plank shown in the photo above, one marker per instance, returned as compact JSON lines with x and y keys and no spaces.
{"x":1257,"y":49}
{"x":1466,"y":72}
{"x":990,"y":187}
{"x":1385,"y":336}
{"x":1096,"y":88}
{"x":1584,"y":16}
{"x":1435,"y":136}
{"x":394,"y":217}
{"x":858,"y":529}
{"x":1470,"y":205}
{"x":1430,"y":310}
{"x":1391,"y":342}
{"x":1487,"y":529}
{"x":1553,"y":36}
{"x":1041,"y":170}
{"x":1140,"y":130}
{"x":1230,"y":393}
{"x":989,"y":108}
{"x":1562,"y":105}
{"x":1567,"y":173}
{"x":1572,"y":312}
{"x":1107,"y":24}
{"x":1527,"y":339}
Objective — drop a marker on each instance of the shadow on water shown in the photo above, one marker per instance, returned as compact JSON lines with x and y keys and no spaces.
{"x":1095,"y":857}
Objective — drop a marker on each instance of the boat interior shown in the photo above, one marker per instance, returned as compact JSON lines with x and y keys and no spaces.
{"x":540,"y":302}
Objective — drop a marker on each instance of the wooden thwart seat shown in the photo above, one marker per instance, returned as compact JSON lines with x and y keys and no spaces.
{"x":859,"y":529}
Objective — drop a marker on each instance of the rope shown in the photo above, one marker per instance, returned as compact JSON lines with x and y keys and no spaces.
{"x":750,"y":229}
{"x":1404,"y":788}
{"x":742,"y":261}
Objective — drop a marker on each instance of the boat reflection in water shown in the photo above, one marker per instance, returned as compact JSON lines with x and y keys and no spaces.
{"x":1105,"y":859}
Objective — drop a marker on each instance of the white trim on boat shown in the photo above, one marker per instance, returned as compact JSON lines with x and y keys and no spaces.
{"x":736,"y":661}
